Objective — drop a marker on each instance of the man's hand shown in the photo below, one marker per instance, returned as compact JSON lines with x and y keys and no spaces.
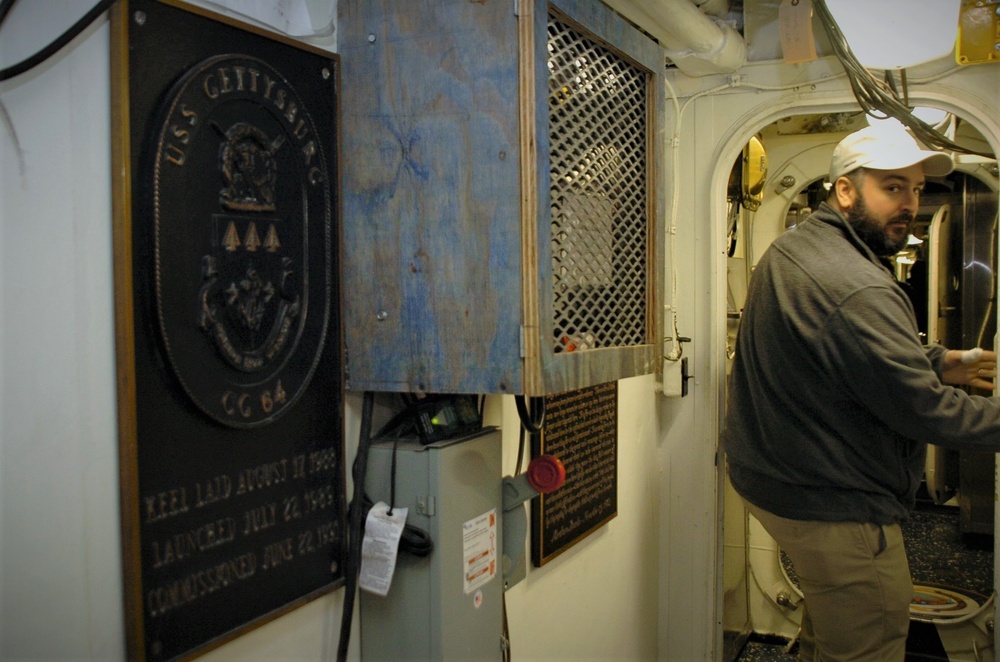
{"x":975,"y":367}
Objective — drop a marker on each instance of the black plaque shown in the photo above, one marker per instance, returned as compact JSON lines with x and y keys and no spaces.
{"x":581,"y":429}
{"x":229,"y":335}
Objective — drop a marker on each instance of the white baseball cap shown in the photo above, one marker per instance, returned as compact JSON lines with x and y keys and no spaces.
{"x":885,"y":148}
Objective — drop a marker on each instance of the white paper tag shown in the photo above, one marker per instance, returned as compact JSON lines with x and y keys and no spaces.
{"x":380,"y":547}
{"x":795,"y":31}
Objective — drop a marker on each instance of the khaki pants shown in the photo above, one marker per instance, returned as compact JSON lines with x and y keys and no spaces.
{"x":856,"y":584}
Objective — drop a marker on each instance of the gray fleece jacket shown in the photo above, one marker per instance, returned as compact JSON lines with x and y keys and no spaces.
{"x":832,"y":396}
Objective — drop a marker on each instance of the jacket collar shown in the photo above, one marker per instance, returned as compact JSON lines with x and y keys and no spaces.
{"x":828,"y":215}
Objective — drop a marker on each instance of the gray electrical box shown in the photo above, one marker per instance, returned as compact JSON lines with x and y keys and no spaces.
{"x":448,"y":605}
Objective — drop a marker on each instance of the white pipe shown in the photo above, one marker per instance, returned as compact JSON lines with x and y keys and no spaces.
{"x":698,"y":44}
{"x":679,"y":25}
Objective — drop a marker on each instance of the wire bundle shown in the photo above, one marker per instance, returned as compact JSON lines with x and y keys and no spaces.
{"x":881,"y":100}
{"x":55,"y":46}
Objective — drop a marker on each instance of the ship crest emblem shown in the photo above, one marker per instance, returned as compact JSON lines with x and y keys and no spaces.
{"x":249,"y":297}
{"x":243,"y":216}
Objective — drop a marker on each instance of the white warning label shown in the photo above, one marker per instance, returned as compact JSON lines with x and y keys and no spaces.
{"x":479,"y":550}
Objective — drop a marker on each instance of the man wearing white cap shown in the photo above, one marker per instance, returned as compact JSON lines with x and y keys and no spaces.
{"x":833,"y":398}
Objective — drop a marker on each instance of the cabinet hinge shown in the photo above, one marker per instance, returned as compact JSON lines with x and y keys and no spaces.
{"x":426,"y":505}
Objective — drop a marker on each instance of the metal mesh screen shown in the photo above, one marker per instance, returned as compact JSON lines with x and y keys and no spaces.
{"x":597,"y":125}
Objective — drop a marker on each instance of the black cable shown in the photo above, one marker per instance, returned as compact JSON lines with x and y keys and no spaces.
{"x":352,"y":564}
{"x":413,"y":541}
{"x":534,"y":419}
{"x":55,"y":46}
{"x":392,"y":476}
{"x":532,"y":415}
{"x":5,"y":7}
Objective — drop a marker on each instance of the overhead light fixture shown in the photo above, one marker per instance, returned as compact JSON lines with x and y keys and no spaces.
{"x":894,"y":34}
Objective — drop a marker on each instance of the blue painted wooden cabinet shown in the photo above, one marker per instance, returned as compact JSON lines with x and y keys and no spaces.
{"x":501,"y":166}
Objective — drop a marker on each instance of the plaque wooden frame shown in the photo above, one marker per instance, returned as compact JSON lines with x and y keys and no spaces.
{"x":581,"y":429}
{"x":233,"y":505}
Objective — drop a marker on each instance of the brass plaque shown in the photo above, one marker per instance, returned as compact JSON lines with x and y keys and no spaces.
{"x":581,"y":429}
{"x":227,"y":326}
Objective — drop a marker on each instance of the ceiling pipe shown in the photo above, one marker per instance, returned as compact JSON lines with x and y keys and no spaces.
{"x":718,"y":8}
{"x":697,"y":44}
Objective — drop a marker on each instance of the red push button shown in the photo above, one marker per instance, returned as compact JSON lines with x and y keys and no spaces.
{"x":546,"y":473}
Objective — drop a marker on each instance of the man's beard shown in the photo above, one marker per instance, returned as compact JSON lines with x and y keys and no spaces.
{"x":876,"y":236}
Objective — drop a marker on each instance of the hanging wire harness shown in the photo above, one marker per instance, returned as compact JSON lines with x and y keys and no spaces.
{"x":882,"y":99}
